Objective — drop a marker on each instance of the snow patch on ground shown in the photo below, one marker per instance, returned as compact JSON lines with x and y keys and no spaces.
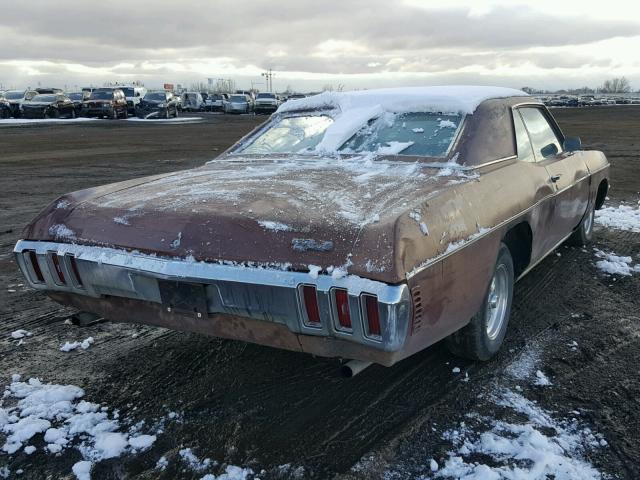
{"x":66,"y":421}
{"x":623,"y":217}
{"x":614,"y":264}
{"x":275,"y":226}
{"x":166,"y":120}
{"x":13,"y":122}
{"x":541,"y":447}
{"x":84,"y":344}
{"x":18,"y":334}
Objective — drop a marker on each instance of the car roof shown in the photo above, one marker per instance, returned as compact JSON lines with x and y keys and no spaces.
{"x":463,"y":99}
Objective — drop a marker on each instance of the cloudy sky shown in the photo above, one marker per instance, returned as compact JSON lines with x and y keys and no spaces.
{"x":309,"y":44}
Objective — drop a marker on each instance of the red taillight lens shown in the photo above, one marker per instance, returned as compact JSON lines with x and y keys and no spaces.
{"x":342,"y":307}
{"x":36,"y":266}
{"x":74,"y":268}
{"x":58,"y":267}
{"x":373,"y":315}
{"x":310,"y":299}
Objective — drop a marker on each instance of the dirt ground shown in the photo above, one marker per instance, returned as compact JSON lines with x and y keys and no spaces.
{"x":287,"y":413}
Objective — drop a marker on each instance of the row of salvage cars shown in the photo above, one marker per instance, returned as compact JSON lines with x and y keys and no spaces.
{"x":112,"y":103}
{"x":362,"y":225}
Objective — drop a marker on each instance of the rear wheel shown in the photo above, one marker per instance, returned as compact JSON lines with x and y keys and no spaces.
{"x":584,"y":233}
{"x":483,"y":336}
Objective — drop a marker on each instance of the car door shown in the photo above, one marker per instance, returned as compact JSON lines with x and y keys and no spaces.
{"x":567,"y":172}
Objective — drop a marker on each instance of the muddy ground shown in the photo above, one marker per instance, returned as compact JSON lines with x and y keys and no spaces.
{"x":264,"y":408}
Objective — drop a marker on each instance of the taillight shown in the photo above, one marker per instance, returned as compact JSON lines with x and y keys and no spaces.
{"x":58,"y":268}
{"x":342,"y":307}
{"x":36,"y":266}
{"x":74,"y":269}
{"x":373,"y":316}
{"x":310,"y":301}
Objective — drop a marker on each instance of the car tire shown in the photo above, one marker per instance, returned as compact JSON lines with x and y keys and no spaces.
{"x":482,"y":337}
{"x":175,"y":113}
{"x":584,"y":233}
{"x":125,"y":113}
{"x":114,"y":114}
{"x":73,"y":114}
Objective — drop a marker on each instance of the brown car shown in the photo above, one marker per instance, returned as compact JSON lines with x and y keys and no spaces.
{"x":364,"y":225}
{"x":106,"y":102}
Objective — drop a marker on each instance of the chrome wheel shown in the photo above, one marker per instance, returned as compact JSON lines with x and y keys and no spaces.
{"x":497,"y":301}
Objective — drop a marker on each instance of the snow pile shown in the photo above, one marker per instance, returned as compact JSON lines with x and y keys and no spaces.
{"x":12,"y":122}
{"x":231,"y":473}
{"x":64,"y":420}
{"x":166,"y":120}
{"x":623,"y":217}
{"x":444,"y":99}
{"x":615,"y":265}
{"x":84,"y":344}
{"x":18,"y":334}
{"x":541,"y":447}
{"x":275,"y":226}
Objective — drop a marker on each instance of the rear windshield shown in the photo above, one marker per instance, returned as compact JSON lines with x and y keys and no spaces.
{"x":76,"y":96}
{"x":238,"y":98}
{"x":13,"y":95}
{"x":266,"y":95}
{"x":45,"y":98}
{"x":102,"y":95}
{"x":422,"y":134}
{"x":155,"y":96}
{"x":415,"y":134}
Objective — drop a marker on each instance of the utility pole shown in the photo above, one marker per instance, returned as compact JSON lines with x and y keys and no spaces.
{"x":268,"y":75}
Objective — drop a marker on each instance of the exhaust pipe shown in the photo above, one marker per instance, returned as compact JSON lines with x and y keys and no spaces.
{"x":353,"y":367}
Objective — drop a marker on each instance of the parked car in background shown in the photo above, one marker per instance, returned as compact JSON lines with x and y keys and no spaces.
{"x":48,"y":105}
{"x":192,"y":101}
{"x":368,"y":226}
{"x":266,"y":102}
{"x":133,"y":94}
{"x":215,"y":102}
{"x":5,"y":108}
{"x":159,"y":104}
{"x":295,"y":96}
{"x":16,"y":97}
{"x":238,"y":103}
{"x":77,"y":98}
{"x":106,"y":102}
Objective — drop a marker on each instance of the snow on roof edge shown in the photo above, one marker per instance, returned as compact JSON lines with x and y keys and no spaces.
{"x":463,"y":99}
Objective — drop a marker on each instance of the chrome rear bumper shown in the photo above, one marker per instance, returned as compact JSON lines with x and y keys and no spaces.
{"x":259,"y":293}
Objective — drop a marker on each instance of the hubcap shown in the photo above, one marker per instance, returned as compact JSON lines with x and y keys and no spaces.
{"x":497,"y":302}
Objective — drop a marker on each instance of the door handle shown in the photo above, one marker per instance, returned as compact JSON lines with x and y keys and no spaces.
{"x":555,"y":178}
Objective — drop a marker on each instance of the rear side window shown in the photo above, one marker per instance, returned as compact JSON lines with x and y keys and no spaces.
{"x":525,"y":150}
{"x":544,"y":140}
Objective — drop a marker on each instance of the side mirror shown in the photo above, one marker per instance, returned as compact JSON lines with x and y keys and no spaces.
{"x":572,"y":144}
{"x":549,"y":150}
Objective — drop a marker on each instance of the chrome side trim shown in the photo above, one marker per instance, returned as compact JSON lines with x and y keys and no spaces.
{"x":542,"y":257}
{"x":260,"y":293}
{"x":503,"y":159}
{"x":476,"y":237}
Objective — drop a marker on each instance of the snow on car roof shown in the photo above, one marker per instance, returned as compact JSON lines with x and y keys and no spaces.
{"x":463,"y":99}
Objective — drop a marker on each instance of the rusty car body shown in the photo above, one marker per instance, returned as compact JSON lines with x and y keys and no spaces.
{"x":361,"y":225}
